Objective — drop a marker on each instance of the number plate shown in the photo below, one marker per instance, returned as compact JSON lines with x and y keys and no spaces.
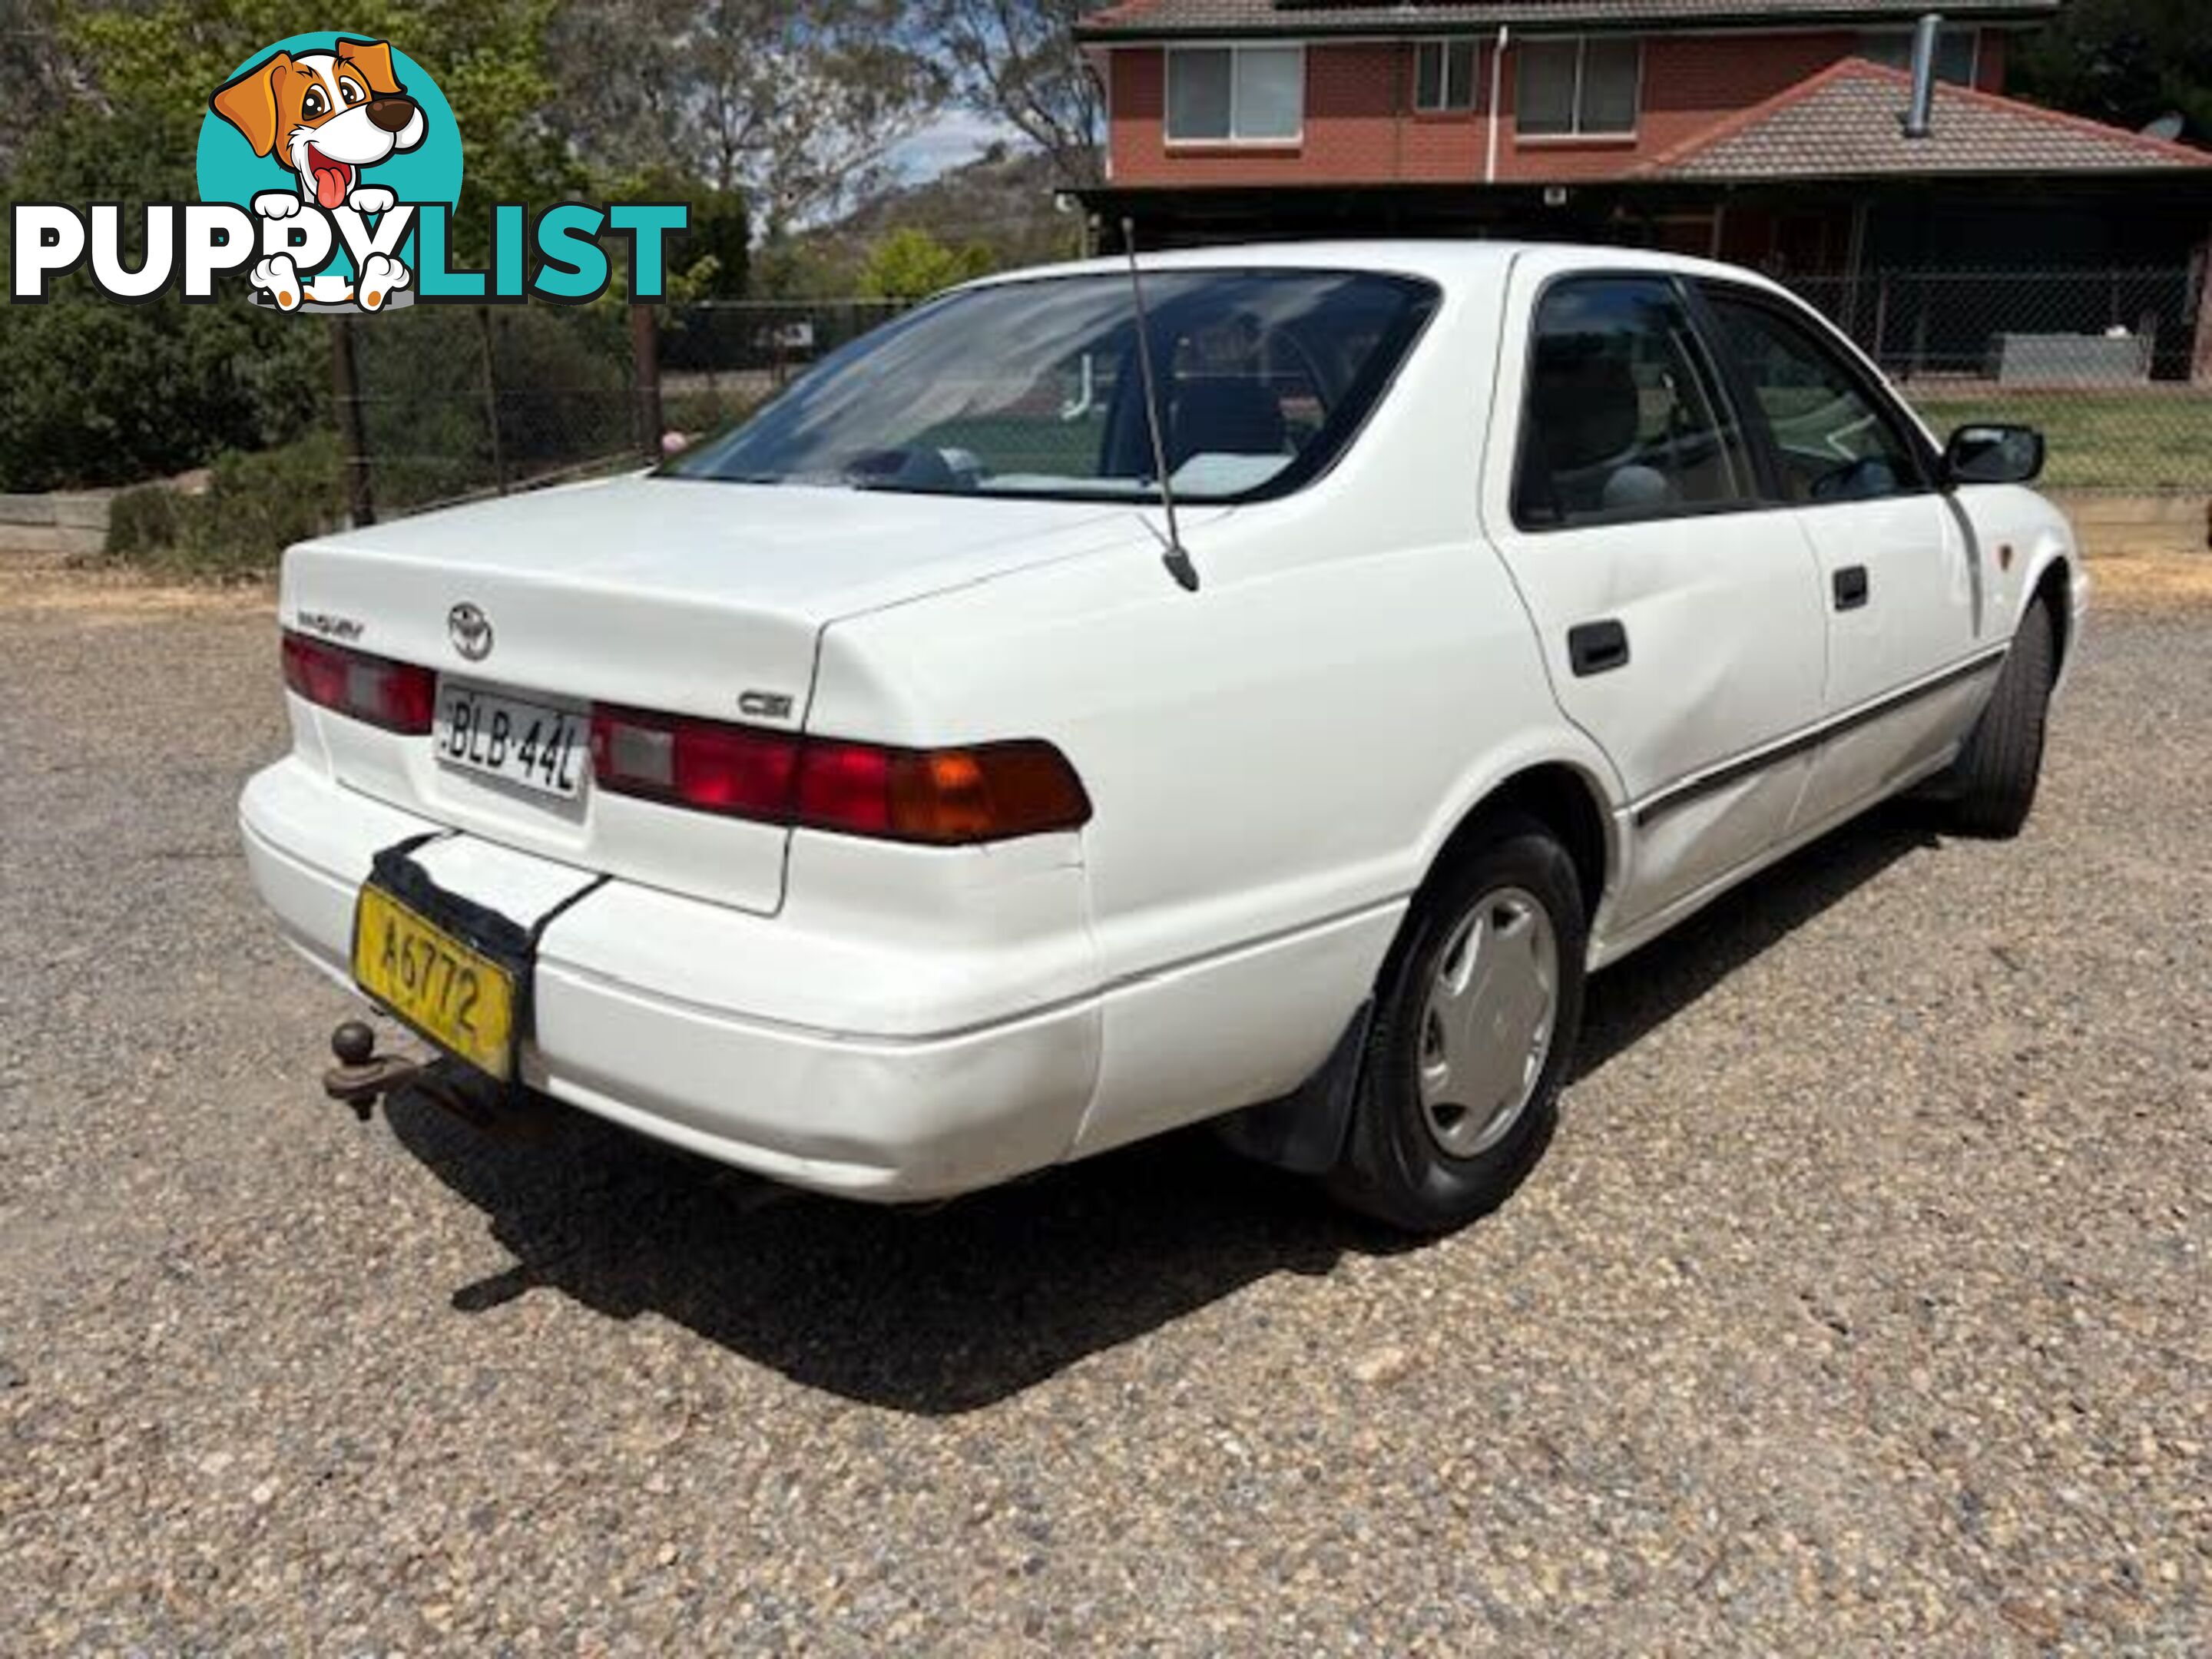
{"x":529,"y":745}
{"x":452,"y":994}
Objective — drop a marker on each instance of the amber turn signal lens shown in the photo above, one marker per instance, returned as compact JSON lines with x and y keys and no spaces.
{"x":941,"y":797}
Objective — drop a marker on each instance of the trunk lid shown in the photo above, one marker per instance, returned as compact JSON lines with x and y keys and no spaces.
{"x":676,"y":595}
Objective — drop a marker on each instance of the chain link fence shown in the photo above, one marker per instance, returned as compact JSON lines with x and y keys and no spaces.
{"x":2109,"y":363}
{"x":439,"y":403}
{"x":721,"y":358}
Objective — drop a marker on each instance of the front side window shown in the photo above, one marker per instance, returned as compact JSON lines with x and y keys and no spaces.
{"x":1443,"y":76}
{"x":1034,"y":389}
{"x":1586,"y":87}
{"x":1235,"y":94}
{"x":1621,"y":419}
{"x":1835,"y":443}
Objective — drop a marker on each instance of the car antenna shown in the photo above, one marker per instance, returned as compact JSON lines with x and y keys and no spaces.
{"x":1178,"y":561}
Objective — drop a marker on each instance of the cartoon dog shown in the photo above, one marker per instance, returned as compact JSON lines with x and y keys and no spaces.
{"x":328,"y":115}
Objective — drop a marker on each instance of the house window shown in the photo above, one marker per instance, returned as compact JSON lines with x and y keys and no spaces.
{"x":1235,"y":94}
{"x":1956,"y":51}
{"x":1443,"y":75}
{"x":1584,"y":87}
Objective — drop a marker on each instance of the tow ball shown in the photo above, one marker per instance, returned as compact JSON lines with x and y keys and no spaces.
{"x":363,"y":1077}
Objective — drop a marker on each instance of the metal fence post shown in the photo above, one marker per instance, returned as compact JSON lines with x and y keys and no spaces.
{"x":491,"y":398}
{"x":345,"y":397}
{"x":645,"y":355}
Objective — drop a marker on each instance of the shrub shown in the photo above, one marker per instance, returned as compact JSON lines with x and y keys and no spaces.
{"x":701,"y":414}
{"x":911,"y":264}
{"x":255,"y":505}
{"x":142,"y":521}
{"x":93,"y":392}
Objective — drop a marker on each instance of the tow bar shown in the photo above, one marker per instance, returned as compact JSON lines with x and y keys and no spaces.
{"x":363,"y":1077}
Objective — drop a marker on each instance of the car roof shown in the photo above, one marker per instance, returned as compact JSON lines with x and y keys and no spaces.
{"x":1451,"y":264}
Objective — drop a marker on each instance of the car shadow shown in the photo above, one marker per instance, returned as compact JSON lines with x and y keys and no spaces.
{"x":1673,"y":971}
{"x":944,"y":1310}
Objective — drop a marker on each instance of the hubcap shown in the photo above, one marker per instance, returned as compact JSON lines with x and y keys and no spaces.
{"x":1486,"y":1029}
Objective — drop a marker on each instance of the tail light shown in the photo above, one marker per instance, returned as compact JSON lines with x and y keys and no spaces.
{"x":397,"y":695}
{"x":935,"y":797}
{"x":938,"y":797}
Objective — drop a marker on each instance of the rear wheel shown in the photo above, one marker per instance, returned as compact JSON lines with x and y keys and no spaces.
{"x":1991,"y":785}
{"x":1474,"y":1028}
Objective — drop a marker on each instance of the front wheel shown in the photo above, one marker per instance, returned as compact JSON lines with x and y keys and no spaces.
{"x":1991,"y":785}
{"x":1475,"y":1022}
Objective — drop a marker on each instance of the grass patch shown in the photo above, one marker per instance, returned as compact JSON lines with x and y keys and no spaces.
{"x":2146,"y":442}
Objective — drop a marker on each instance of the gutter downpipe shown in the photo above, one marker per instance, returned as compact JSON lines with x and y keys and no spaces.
{"x":1496,"y":91}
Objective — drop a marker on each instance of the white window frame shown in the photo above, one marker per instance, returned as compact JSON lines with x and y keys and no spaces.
{"x":1578,"y":135}
{"x":1235,"y":49}
{"x":1445,"y":44}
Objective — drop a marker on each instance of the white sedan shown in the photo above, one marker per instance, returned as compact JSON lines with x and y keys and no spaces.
{"x":913,"y":789}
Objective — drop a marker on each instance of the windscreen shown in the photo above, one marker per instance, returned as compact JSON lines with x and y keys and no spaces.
{"x":1034,"y":389}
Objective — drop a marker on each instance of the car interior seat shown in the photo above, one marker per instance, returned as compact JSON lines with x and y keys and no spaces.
{"x":1581,"y":457}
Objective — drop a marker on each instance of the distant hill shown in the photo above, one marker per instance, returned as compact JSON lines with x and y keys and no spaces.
{"x":1002,"y":200}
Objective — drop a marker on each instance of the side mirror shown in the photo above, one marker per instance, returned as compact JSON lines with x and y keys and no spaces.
{"x":1993,"y":455}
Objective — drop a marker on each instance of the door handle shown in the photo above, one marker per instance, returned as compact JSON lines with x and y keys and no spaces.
{"x":1852,"y":587}
{"x":1597,"y":648}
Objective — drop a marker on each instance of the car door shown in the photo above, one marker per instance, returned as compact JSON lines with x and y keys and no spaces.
{"x":1679,"y":607}
{"x":1898,"y":569}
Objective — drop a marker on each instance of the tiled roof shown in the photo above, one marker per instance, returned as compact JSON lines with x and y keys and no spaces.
{"x":1153,"y":18}
{"x":1845,"y":123}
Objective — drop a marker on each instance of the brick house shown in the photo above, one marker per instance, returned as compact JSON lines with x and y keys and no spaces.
{"x":1766,"y":134}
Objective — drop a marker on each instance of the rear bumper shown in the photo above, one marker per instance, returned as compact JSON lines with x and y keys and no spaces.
{"x":628,"y":1024}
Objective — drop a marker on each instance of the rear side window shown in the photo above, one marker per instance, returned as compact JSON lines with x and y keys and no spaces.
{"x":1833,"y":440}
{"x":1621,"y":419}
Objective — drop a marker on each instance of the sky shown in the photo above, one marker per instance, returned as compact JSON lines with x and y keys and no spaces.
{"x":957,"y":136}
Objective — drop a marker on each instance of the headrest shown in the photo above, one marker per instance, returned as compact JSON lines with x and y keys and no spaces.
{"x":1582,"y":402}
{"x":1225,"y":417}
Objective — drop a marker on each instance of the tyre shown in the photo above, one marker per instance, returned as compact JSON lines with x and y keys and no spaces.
{"x":1991,"y":785}
{"x":1476,"y":1016}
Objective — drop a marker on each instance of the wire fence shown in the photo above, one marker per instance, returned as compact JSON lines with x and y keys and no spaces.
{"x":2114,"y":364}
{"x":722,"y":357}
{"x":438,"y":403}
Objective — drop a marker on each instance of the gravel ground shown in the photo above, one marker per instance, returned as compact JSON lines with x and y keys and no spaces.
{"x":1860,"y":1303}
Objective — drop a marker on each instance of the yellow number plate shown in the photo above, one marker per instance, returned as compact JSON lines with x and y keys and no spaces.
{"x":457,"y":998}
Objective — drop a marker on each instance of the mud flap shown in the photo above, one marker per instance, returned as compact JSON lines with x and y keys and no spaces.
{"x":1304,"y":1132}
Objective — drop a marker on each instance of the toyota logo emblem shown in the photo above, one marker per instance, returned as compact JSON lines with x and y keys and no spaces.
{"x":469,"y":629}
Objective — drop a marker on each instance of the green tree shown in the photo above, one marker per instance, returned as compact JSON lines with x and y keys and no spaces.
{"x":1017,"y":61}
{"x":100,"y":393}
{"x":796,"y":103}
{"x":912,"y":264}
{"x":2124,"y":62}
{"x":97,"y":393}
{"x":159,"y":64}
